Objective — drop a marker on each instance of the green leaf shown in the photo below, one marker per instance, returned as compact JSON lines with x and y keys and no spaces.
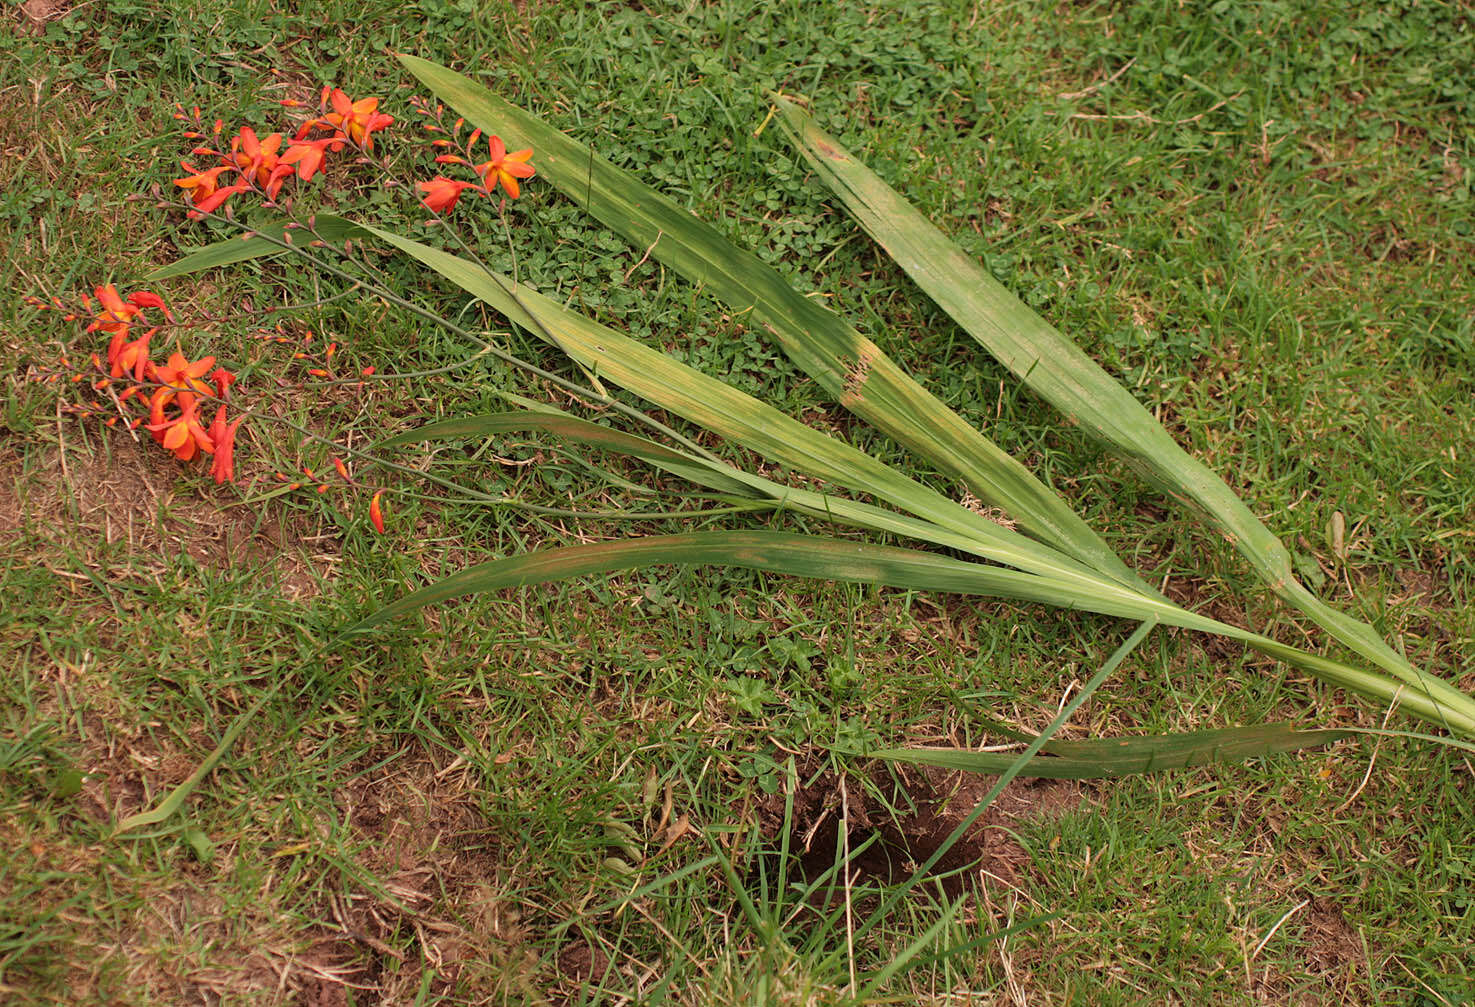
{"x":68,"y":783}
{"x":775,"y":552}
{"x":1055,"y":368}
{"x":725,"y":410}
{"x":846,"y":364}
{"x":199,"y":844}
{"x":857,"y":562}
{"x":253,"y":244}
{"x":713,"y":475}
{"x":1114,"y":757}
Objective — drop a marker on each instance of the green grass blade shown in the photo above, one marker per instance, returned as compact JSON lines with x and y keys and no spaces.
{"x":1113,"y":757}
{"x":1056,"y":369}
{"x":902,"y":958}
{"x":176,"y":797}
{"x":842,"y":361}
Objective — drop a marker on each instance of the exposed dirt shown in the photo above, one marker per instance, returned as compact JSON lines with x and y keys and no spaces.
{"x":430,"y":850}
{"x":913,"y":816}
{"x":130,"y":495}
{"x":581,"y":963}
{"x":1333,"y":947}
{"x":35,"y":14}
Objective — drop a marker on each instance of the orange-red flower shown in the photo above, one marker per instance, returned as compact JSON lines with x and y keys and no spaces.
{"x":504,"y":168}
{"x":131,"y":357}
{"x":222,"y":379}
{"x":441,"y":193}
{"x":116,"y":313}
{"x":358,"y":119}
{"x":182,"y":375}
{"x":259,"y":160}
{"x":182,"y":434}
{"x":205,"y":190}
{"x":375,"y":514}
{"x":308,"y":156}
{"x":223,"y":437}
{"x":116,"y":319}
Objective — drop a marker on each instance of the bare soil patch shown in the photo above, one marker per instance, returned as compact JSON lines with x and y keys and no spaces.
{"x":913,"y":815}
{"x":434,"y":903}
{"x":36,"y":14}
{"x":128,"y":495}
{"x":1334,"y":951}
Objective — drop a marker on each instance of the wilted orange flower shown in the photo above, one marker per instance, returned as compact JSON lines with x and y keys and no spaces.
{"x":441,"y":193}
{"x":375,"y":514}
{"x":504,"y":168}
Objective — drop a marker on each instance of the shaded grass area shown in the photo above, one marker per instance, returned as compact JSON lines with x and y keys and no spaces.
{"x":1260,"y":223}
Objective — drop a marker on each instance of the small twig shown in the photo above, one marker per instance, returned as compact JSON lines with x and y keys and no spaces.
{"x":1073,"y":95}
{"x":637,"y":265}
{"x":1374,"y":760}
{"x":61,"y":453}
{"x":1144,"y":117}
{"x":1271,"y":932}
{"x":849,"y":918}
{"x":1429,"y":989}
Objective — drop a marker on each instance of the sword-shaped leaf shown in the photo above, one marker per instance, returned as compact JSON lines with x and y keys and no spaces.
{"x":845,"y":363}
{"x":887,"y":566}
{"x":1059,"y":372}
{"x":1098,"y":758}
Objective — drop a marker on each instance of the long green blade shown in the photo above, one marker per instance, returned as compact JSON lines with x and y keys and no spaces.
{"x":1113,"y":757}
{"x":701,"y":471}
{"x":774,"y":552}
{"x":856,"y":562}
{"x":719,"y":407}
{"x":842,"y":361}
{"x":251,"y":246}
{"x":1056,"y":368}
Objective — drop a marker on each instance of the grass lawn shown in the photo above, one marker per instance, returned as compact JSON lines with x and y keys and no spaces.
{"x":622,"y":789}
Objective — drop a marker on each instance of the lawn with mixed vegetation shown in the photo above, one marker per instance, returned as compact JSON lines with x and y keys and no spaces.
{"x":651,"y":786}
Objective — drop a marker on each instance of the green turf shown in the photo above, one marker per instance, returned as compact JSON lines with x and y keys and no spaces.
{"x":1262,"y":225}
